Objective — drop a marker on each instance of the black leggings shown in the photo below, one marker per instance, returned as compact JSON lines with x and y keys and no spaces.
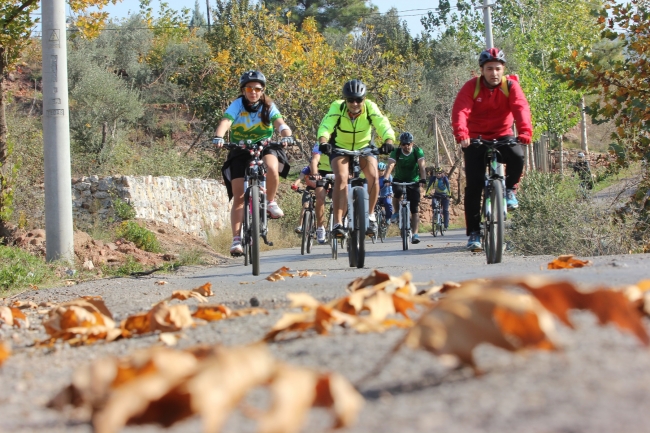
{"x":512,"y":157}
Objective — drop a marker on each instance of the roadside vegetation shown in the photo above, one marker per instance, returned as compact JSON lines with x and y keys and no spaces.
{"x":148,"y":90}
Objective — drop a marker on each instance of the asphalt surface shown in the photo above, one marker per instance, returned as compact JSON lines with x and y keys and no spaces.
{"x":599,"y":382}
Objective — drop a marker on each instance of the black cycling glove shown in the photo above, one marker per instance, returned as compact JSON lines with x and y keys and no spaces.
{"x":423,"y":182}
{"x":325,"y":148}
{"x":386,"y":149}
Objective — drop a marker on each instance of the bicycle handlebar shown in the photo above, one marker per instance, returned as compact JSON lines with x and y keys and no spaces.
{"x":477,"y":142}
{"x":366,"y":151}
{"x":404,"y":183}
{"x":249,"y":144}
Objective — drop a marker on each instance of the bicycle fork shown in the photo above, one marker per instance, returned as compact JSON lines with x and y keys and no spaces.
{"x":351,"y":225}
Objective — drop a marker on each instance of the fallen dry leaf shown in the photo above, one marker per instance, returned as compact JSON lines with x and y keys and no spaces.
{"x":212,"y":312}
{"x":308,"y":274}
{"x":12,"y":316}
{"x":5,"y":352}
{"x":183,"y":295}
{"x":85,"y":320}
{"x":568,"y":262}
{"x":280,"y":274}
{"x":561,"y":296}
{"x":168,"y":338}
{"x":382,"y":281}
{"x":205,"y":289}
{"x":473,"y":315}
{"x":24,"y":304}
{"x":162,"y":317}
{"x":161,"y":283}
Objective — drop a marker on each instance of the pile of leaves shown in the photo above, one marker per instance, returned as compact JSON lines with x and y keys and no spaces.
{"x":162,"y":385}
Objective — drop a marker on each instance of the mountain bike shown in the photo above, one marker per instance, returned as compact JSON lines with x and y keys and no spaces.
{"x":308,"y":220}
{"x":437,"y":221}
{"x":382,"y":222}
{"x":404,"y":213}
{"x":327,"y":182}
{"x":255,"y":224}
{"x":494,"y":200}
{"x":357,"y":211}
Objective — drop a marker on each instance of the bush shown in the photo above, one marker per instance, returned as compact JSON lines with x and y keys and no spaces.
{"x":123,"y":210}
{"x":140,"y":236}
{"x":553,"y":219}
{"x":18,"y":269}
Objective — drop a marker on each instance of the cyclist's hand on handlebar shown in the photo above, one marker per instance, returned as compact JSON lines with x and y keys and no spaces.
{"x":524,"y":139}
{"x":286,"y":141}
{"x":423,"y":182}
{"x":386,"y":148}
{"x":325,"y":148}
{"x":217,"y":142}
{"x":386,"y":182}
{"x":464,"y":142}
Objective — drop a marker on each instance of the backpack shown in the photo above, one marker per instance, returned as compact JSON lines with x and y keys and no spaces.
{"x":506,"y":84}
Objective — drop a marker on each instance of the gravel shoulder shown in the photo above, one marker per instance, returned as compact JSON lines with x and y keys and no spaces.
{"x":599,"y":382}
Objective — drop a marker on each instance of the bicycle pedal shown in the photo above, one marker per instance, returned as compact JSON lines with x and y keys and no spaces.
{"x":477,"y":250}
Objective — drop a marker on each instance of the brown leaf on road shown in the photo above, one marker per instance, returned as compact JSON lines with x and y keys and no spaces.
{"x":473,"y":315}
{"x":568,"y":262}
{"x":76,"y":318}
{"x":205,"y":289}
{"x":183,"y":295}
{"x":168,"y":338}
{"x":13,"y":317}
{"x":280,"y":274}
{"x":24,"y":304}
{"x":252,"y":311}
{"x":303,"y":300}
{"x":294,"y":390}
{"x":212,"y":312}
{"x":162,"y":317}
{"x":161,"y":283}
{"x":381,"y":281}
{"x":559,"y":297}
{"x":5,"y":352}
{"x":308,"y":274}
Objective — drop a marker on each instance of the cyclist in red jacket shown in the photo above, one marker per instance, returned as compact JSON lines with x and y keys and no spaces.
{"x":487,"y":107}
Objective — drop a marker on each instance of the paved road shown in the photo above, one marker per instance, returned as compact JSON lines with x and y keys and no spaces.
{"x":599,"y":383}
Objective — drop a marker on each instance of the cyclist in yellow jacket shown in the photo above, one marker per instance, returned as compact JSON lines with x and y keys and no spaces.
{"x":348,"y":124}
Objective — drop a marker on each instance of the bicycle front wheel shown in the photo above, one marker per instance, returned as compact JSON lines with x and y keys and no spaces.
{"x":358,"y":241}
{"x":312,"y":230}
{"x":255,"y":229}
{"x":306,"y":232}
{"x":404,"y":231}
{"x":434,"y":224}
{"x":495,"y":224}
{"x":381,"y":224}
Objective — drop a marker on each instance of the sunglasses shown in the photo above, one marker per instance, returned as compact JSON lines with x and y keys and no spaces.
{"x":357,"y":100}
{"x":405,"y":144}
{"x":253,"y":89}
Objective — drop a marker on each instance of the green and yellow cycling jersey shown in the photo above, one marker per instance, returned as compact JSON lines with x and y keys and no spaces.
{"x":354,"y":134}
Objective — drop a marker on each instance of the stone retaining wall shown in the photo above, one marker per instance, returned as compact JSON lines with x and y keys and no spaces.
{"x":195,"y":206}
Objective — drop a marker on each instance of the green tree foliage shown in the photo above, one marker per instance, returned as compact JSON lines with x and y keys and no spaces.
{"x":621,"y":83}
{"x":342,"y":15}
{"x":198,"y":19}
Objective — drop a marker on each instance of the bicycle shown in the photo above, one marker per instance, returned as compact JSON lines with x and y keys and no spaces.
{"x":255,"y":224}
{"x":495,"y":210}
{"x":357,"y":211}
{"x":327,"y":182}
{"x":404,"y":213}
{"x":437,"y":221}
{"x":382,"y":222}
{"x":308,"y":220}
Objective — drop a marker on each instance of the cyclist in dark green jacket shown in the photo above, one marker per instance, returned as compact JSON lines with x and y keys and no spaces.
{"x":408,"y":162}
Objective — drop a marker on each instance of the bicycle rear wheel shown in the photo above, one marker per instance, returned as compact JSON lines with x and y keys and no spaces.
{"x":434,"y":223}
{"x":255,"y":229}
{"x":306,"y":232}
{"x":495,"y":224}
{"x":404,"y":231}
{"x":358,"y":235}
{"x":381,"y":224}
{"x":334,"y":242}
{"x":312,"y":230}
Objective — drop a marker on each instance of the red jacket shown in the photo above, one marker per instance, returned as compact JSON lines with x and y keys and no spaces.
{"x":492,"y":114}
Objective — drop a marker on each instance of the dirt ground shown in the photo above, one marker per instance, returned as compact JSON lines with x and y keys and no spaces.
{"x":93,"y":252}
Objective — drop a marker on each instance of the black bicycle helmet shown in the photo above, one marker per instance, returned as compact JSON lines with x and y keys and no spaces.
{"x":406,"y":137}
{"x":250,"y":76}
{"x":354,"y":89}
{"x":491,"y":55}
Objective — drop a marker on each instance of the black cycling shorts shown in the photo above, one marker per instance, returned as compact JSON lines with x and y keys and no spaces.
{"x":412,"y":195}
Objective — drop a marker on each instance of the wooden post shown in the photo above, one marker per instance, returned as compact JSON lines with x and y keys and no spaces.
{"x":444,"y":146}
{"x":561,"y":143}
{"x":435,"y":127}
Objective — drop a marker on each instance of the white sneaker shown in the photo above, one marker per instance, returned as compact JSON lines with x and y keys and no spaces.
{"x":236,"y":248}
{"x":320,"y":235}
{"x":274,"y":210}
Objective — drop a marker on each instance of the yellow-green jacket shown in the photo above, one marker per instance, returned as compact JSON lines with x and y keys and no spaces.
{"x":354,"y":134}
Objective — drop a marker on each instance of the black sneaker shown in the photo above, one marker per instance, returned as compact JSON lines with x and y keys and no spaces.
{"x":372,"y":228}
{"x":338,"y":231}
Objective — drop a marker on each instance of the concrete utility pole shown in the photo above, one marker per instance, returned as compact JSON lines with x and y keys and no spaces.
{"x":207,"y":6}
{"x":56,"y":134}
{"x":487,"y":19}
